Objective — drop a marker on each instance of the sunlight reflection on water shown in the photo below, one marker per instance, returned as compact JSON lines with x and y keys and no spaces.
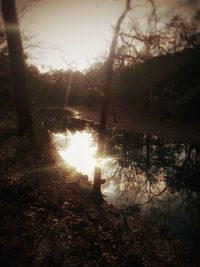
{"x":79,"y":149}
{"x":132,"y":180}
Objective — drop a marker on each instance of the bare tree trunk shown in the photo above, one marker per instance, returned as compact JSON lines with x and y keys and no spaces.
{"x":17,"y":64}
{"x":106,"y":102}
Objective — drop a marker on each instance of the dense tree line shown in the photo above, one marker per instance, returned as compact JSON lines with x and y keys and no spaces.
{"x":168,"y":86}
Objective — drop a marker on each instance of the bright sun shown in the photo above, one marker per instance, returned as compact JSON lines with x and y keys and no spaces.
{"x":77,"y":31}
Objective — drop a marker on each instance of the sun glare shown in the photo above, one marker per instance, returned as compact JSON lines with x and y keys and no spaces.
{"x":78,"y":150}
{"x":78,"y":33}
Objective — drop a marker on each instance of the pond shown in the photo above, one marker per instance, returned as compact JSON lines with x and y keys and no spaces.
{"x":142,"y":171}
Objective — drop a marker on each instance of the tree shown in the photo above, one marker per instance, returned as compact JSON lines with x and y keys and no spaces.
{"x":17,"y":65}
{"x":106,"y":102}
{"x":138,"y":44}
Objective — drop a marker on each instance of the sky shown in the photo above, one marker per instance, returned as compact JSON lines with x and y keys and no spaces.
{"x":69,"y":32}
{"x":74,"y":33}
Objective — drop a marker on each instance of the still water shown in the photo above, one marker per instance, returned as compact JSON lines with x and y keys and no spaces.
{"x":146,"y":165}
{"x":160,"y":178}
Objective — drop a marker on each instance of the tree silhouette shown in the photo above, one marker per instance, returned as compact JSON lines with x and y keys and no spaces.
{"x":106,"y":102}
{"x":17,"y":65}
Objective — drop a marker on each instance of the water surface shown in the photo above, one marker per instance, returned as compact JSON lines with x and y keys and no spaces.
{"x":161,"y":178}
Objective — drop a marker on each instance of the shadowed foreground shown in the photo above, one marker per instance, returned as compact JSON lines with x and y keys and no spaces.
{"x":48,"y":219}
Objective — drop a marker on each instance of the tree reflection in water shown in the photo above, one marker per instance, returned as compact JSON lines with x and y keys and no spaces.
{"x":162,"y":177}
{"x":145,"y":171}
{"x":145,"y":167}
